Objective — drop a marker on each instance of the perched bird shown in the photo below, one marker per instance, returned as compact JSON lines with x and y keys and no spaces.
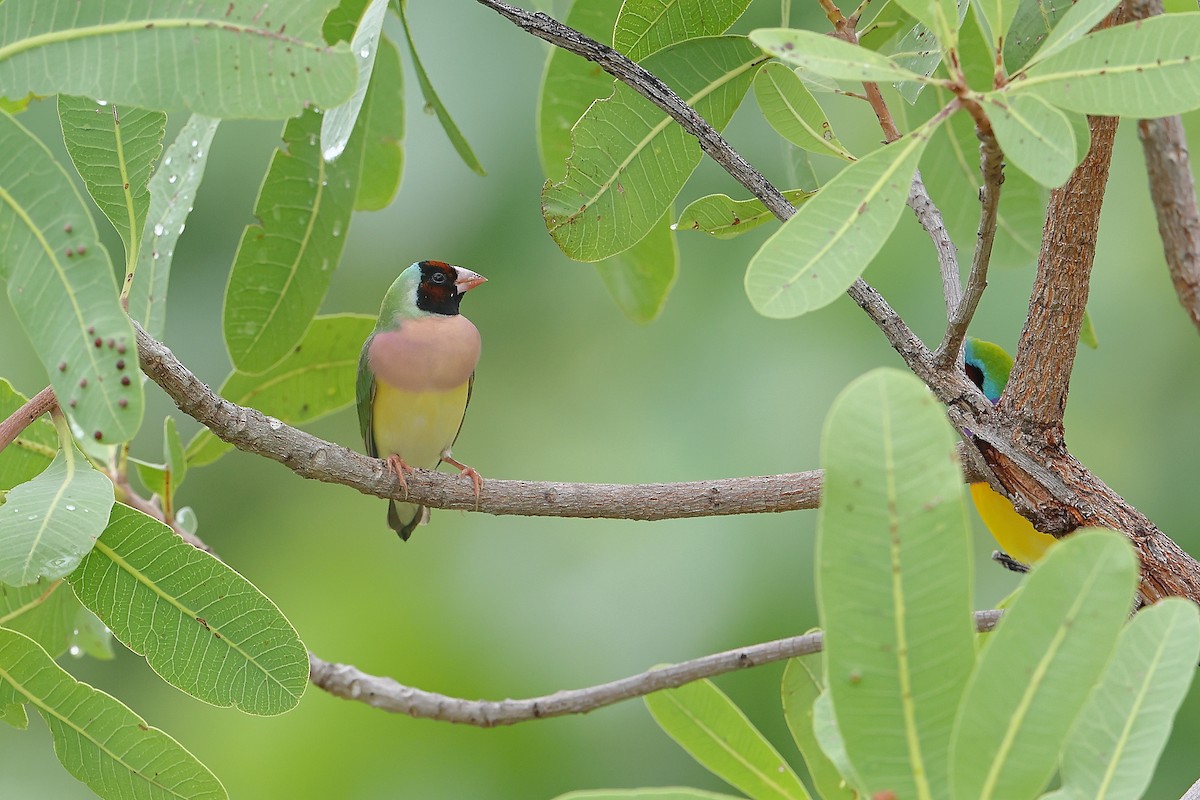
{"x":415,"y":376}
{"x":988,"y":367}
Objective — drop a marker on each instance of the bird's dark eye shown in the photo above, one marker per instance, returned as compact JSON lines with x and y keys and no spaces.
{"x":437,"y":277}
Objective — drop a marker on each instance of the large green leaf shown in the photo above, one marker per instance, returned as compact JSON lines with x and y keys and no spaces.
{"x":316,"y":379}
{"x":114,"y":149}
{"x":997,"y":19}
{"x":29,"y":453}
{"x":51,"y":522}
{"x":794,"y":113}
{"x":647,"y":26}
{"x":715,"y":732}
{"x":60,"y":283}
{"x":382,"y":123}
{"x":940,"y":16}
{"x":951,"y":173}
{"x":815,"y":256}
{"x":640,"y":278}
{"x":1121,"y":733}
{"x":829,"y":737}
{"x":721,"y":216}
{"x":285,"y":261}
{"x":1036,"y":137}
{"x":1039,"y":666}
{"x":894,"y":581}
{"x":830,"y":57}
{"x":433,"y":102}
{"x":222,"y":60}
{"x":44,"y":611}
{"x":800,"y":692}
{"x":172,"y":191}
{"x":1031,"y":26}
{"x":1074,"y":24}
{"x":1145,"y":69}
{"x":98,"y":740}
{"x":338,"y":122}
{"x":630,"y":159}
{"x":201,"y":626}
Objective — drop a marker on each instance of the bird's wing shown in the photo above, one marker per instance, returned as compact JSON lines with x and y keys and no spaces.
{"x":365,"y":395}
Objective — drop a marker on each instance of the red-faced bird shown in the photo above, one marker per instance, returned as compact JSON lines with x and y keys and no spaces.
{"x":415,"y":377}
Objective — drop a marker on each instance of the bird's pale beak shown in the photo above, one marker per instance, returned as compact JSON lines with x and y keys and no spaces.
{"x":467,"y":279}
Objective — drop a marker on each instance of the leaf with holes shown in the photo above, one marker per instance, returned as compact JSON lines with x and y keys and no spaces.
{"x":894,"y":582}
{"x":721,"y":216}
{"x":202,"y":627}
{"x":99,"y":740}
{"x":222,"y":60}
{"x":60,"y":283}
{"x":629,"y":159}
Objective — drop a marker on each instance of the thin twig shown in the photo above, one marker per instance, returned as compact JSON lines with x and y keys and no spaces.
{"x":930,"y":217}
{"x":350,"y":683}
{"x":41,"y":403}
{"x":991,"y":164}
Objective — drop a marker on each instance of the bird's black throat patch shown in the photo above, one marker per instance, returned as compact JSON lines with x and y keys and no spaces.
{"x":975,"y":374}
{"x":437,"y":292}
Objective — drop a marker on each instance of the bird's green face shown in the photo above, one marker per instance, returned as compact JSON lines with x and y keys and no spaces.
{"x":425,"y":288}
{"x":987,"y":366}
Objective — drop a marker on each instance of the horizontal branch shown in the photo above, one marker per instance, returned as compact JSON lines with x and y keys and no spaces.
{"x":351,"y":683}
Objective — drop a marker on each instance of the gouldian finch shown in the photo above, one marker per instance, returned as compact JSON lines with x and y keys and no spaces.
{"x":988,"y":366}
{"x":415,"y":376}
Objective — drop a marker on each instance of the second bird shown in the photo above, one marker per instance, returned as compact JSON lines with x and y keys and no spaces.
{"x":415,"y":376}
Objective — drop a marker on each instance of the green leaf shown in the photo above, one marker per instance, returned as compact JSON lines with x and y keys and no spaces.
{"x":434,"y":102}
{"x":98,"y":740}
{"x":894,"y":581}
{"x":60,"y":283}
{"x":1036,"y":137}
{"x":721,"y":216}
{"x":1039,"y":666}
{"x":90,"y":636}
{"x":382,"y":124}
{"x":316,"y":378}
{"x":951,"y":173}
{"x":338,"y":122}
{"x":342,"y":21}
{"x":173,"y":454}
{"x":51,"y":522}
{"x":820,"y":251}
{"x":1087,"y":331}
{"x":153,"y":476}
{"x":45,"y":611}
{"x":669,"y":793}
{"x":831,"y":57}
{"x":715,"y":732}
{"x":285,"y":262}
{"x":998,"y":18}
{"x":647,"y":26}
{"x":794,"y":113}
{"x":1145,"y":69}
{"x":173,"y":189}
{"x":29,"y":453}
{"x":640,"y":279}
{"x":630,"y":160}
{"x":201,"y":626}
{"x":17,"y":105}
{"x":164,"y":479}
{"x":114,"y":150}
{"x":15,"y":716}
{"x":210,"y":58}
{"x":1122,"y":731}
{"x":1078,"y":19}
{"x":1031,"y":26}
{"x":940,"y":16}
{"x":888,"y":24}
{"x":825,"y":729}
{"x":800,"y":691}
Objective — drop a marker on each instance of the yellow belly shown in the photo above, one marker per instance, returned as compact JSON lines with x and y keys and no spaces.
{"x":1015,"y":534}
{"x":417,"y":426}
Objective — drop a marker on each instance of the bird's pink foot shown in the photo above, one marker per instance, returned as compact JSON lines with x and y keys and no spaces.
{"x":399,"y":466}
{"x":469,"y":472}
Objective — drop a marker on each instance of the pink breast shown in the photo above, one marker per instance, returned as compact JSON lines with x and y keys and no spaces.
{"x":431,"y":354}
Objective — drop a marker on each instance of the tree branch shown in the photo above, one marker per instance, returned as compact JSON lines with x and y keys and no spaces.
{"x":350,"y":683}
{"x":41,"y":403}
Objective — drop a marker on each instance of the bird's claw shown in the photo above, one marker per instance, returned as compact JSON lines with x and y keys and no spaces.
{"x":399,"y":466}
{"x":464,"y":470}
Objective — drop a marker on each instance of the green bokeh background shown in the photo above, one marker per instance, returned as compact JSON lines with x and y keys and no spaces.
{"x":477,"y":606}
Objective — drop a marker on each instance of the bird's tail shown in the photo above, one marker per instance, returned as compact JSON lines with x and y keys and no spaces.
{"x":403,"y":518}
